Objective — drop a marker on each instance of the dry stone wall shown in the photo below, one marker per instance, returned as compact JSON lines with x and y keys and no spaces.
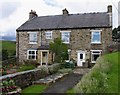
{"x":25,"y":78}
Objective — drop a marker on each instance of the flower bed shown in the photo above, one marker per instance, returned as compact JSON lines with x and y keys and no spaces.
{"x":9,"y":87}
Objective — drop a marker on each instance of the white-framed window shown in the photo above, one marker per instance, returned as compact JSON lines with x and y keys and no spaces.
{"x":32,"y":54}
{"x":94,"y":55}
{"x":48,"y":34}
{"x":96,"y":36}
{"x":65,"y":36}
{"x":32,"y":37}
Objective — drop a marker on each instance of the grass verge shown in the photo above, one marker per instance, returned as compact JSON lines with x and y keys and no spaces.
{"x":34,"y":89}
{"x":103,"y":78}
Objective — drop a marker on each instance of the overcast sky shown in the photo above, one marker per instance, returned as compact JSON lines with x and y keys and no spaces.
{"x":16,"y":12}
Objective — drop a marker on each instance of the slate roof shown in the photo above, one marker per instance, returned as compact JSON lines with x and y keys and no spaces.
{"x":86,"y":20}
{"x":43,"y":47}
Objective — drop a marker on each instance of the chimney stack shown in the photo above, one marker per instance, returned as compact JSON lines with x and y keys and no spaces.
{"x":65,"y":12}
{"x":109,"y":11}
{"x":32,"y":14}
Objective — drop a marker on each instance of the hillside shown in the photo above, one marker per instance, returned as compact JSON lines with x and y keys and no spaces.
{"x":103,"y":77}
{"x":10,"y":46}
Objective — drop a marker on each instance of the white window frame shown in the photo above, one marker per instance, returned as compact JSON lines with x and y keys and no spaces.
{"x":32,"y":42}
{"x":66,"y":42}
{"x":48,"y":36}
{"x":92,"y":53}
{"x":32,"y":54}
{"x":95,"y":42}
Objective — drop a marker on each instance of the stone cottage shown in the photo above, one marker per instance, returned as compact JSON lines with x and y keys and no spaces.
{"x":86,"y":34}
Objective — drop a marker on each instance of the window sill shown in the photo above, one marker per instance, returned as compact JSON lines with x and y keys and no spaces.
{"x":95,"y":43}
{"x":66,"y":42}
{"x":93,"y":62}
{"x":33,"y":43}
{"x":48,"y":38}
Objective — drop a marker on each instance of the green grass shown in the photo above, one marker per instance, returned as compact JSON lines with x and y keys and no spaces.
{"x":103,"y":78}
{"x":113,"y":74}
{"x":34,"y":89}
{"x":70,"y":91}
{"x":25,"y":67}
{"x":9,"y":45}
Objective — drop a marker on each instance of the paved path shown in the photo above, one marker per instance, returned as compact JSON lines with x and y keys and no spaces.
{"x":62,"y":85}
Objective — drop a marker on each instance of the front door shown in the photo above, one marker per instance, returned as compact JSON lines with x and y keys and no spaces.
{"x":44,"y":58}
{"x":80,"y":58}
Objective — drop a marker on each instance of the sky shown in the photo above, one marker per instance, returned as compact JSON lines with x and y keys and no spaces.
{"x":13,"y":13}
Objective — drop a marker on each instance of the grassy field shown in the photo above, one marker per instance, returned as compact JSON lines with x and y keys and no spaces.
{"x":103,"y":78}
{"x":9,"y":45}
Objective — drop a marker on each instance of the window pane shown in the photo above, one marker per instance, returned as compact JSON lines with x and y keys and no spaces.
{"x":49,"y":35}
{"x":30,"y":52}
{"x":81,"y":56}
{"x":65,"y":36}
{"x":95,"y":36}
{"x":33,"y":37}
{"x":30,"y":57}
{"x":33,"y":56}
{"x":95,"y":56}
{"x":33,"y":52}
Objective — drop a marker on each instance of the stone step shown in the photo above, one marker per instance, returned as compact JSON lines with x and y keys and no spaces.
{"x":50,"y":79}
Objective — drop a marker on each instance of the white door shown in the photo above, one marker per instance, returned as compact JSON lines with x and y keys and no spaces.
{"x":80,"y":58}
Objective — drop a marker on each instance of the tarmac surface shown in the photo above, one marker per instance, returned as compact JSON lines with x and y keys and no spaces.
{"x":64,"y":84}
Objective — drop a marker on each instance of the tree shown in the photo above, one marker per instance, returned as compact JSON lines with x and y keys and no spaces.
{"x":4,"y":54}
{"x":59,"y":49}
{"x":116,"y":33}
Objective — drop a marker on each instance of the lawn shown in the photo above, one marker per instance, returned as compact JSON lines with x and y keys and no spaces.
{"x":26,"y":67}
{"x":103,"y":78}
{"x":34,"y":89}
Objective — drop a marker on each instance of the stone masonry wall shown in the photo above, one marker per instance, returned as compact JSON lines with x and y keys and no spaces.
{"x":80,"y":39}
{"x":25,"y":78}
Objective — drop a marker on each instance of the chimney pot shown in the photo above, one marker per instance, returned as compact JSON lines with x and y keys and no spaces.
{"x":32,"y":14}
{"x":109,"y":9}
{"x":65,"y":12}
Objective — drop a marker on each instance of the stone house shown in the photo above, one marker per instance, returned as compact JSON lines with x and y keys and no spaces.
{"x":87,"y":35}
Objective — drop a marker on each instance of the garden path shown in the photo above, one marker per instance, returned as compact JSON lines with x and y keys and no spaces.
{"x":62,"y":85}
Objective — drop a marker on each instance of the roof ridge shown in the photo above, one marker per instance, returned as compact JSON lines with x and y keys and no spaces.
{"x":74,"y":14}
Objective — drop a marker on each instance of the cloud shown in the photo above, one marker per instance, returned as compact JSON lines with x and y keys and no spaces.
{"x":9,"y":35}
{"x":52,"y":3}
{"x":7,"y":8}
{"x":16,"y":12}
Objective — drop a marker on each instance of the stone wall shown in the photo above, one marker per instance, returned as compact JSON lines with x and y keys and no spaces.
{"x":80,"y":39}
{"x":23,"y":79}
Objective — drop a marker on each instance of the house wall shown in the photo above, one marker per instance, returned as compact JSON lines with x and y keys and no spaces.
{"x":80,"y":39}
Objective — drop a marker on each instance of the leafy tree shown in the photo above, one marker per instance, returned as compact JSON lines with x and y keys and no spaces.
{"x":116,"y":33}
{"x":59,"y":49}
{"x":4,"y":54}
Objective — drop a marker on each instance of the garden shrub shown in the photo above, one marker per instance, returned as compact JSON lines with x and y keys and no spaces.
{"x":31,"y":62}
{"x":44,"y":71}
{"x":54,"y":68}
